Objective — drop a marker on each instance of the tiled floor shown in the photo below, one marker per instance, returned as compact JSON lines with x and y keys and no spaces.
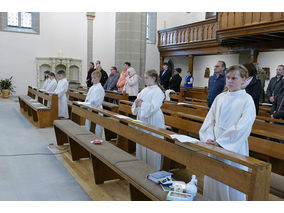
{"x":31,"y":177}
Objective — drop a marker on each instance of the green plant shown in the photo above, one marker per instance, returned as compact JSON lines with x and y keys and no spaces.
{"x":7,"y":84}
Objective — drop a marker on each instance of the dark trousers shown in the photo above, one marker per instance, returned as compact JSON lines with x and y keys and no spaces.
{"x":132,"y":98}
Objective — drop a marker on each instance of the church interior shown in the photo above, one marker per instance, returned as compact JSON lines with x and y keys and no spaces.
{"x":215,"y":126}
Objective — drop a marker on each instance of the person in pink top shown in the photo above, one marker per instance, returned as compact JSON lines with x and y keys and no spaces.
{"x":131,"y":85}
{"x":122,"y":79}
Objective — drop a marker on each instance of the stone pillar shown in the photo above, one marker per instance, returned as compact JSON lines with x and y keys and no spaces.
{"x":90,"y":18}
{"x":130,"y":40}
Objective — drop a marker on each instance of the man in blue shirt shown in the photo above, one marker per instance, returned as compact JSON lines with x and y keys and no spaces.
{"x":216,"y":82}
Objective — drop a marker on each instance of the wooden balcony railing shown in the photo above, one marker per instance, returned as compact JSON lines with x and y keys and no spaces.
{"x":226,"y":33}
{"x":187,"y":34}
{"x":229,"y":20}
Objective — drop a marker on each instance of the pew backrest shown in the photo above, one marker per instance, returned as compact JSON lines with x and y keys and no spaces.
{"x":254,"y":182}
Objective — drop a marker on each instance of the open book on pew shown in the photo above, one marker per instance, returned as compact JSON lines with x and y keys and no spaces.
{"x":83,"y":103}
{"x":184,"y":138}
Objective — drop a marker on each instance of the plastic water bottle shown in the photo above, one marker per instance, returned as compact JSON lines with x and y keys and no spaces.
{"x":191,"y":187}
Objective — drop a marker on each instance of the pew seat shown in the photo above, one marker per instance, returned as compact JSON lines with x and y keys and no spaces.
{"x":34,"y":104}
{"x":39,"y":107}
{"x":110,"y":162}
{"x":277,"y":185}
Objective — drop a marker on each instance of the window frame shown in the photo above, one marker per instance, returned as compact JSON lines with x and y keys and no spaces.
{"x":35,"y":29}
{"x":151,"y":27}
{"x":210,"y":15}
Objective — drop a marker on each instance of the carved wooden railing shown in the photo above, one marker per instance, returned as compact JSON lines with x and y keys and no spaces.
{"x":212,"y":36}
{"x":187,"y":34}
{"x":228,"y":20}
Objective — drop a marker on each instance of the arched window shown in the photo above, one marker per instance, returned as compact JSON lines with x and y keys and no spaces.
{"x":26,"y":22}
{"x":151,"y":27}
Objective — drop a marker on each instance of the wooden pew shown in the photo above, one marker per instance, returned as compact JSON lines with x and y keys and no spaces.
{"x":190,"y":124}
{"x":38,"y":112}
{"x":83,"y":88}
{"x":262,"y":129}
{"x":199,"y":93}
{"x":254,"y":182}
{"x":80,"y":95}
{"x":111,"y":96}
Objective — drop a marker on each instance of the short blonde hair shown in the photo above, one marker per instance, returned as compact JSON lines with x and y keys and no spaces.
{"x":240,"y":68}
{"x":97,"y":74}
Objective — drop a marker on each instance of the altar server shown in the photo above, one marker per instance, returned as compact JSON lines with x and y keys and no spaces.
{"x":61,"y":90}
{"x":147,"y":107}
{"x":46,"y":80}
{"x":95,"y":98}
{"x":51,"y":87}
{"x":228,"y":125}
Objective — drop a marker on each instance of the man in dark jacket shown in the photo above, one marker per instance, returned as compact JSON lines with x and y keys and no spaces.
{"x":112,"y":79}
{"x":277,"y":110}
{"x":165,"y":76}
{"x":216,"y":82}
{"x":275,"y":84}
{"x":89,"y":75}
{"x":104,"y":74}
{"x":176,"y":80}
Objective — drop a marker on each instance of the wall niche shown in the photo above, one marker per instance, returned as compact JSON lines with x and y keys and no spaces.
{"x":71,"y":66}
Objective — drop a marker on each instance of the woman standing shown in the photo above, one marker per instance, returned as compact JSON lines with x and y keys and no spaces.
{"x":252,"y":85}
{"x":147,"y":107}
{"x":228,"y":125}
{"x":89,"y":75}
{"x":131,"y":84}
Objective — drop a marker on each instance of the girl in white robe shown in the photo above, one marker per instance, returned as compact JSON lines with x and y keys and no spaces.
{"x":95,"y":98}
{"x":61,"y":90}
{"x":147,"y":107}
{"x":46,"y":80}
{"x":51,"y":87}
{"x":228,"y":125}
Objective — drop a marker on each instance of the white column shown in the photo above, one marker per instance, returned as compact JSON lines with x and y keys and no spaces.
{"x":90,"y":18}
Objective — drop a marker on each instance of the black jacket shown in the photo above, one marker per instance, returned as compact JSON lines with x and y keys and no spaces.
{"x":103,"y":78}
{"x":273,"y":87}
{"x":165,"y":79}
{"x":89,"y":77}
{"x":254,"y":89}
{"x":175,"y":83}
{"x":278,"y":105}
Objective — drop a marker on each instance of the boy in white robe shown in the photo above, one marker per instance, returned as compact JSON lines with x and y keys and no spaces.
{"x":95,"y":98}
{"x":61,"y":90}
{"x":147,"y":107}
{"x":228,"y":125}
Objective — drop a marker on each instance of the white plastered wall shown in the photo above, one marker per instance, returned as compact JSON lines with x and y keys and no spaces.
{"x":66,"y":31}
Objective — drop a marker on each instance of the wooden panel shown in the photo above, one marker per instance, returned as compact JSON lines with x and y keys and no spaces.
{"x":265,"y":17}
{"x":239,"y":19}
{"x":276,"y":16}
{"x":248,"y":18}
{"x":231,"y":19}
